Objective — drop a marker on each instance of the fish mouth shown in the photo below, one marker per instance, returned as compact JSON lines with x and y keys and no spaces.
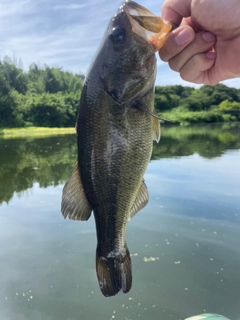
{"x":146,"y":24}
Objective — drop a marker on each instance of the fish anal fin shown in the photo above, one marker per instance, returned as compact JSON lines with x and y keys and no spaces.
{"x":74,"y":203}
{"x":140,"y":201}
{"x":156,"y":129}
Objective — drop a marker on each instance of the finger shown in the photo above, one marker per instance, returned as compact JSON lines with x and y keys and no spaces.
{"x":196,"y":70}
{"x":194,"y":25}
{"x":174,"y":10}
{"x":176,"y":41}
{"x":202,"y":42}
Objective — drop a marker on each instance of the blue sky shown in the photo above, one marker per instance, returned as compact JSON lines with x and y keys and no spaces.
{"x":66,"y":34}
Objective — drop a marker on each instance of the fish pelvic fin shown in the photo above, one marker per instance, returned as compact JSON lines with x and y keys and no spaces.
{"x":74,"y":203}
{"x":140,"y":201}
{"x":114,"y":272}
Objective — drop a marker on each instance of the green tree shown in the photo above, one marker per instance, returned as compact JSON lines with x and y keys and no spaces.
{"x":227,"y":105}
{"x":14,"y":76}
{"x":196,"y":101}
{"x":7,"y":104}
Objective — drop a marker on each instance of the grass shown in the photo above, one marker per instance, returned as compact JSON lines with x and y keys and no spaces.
{"x":34,"y":131}
{"x":180,"y":115}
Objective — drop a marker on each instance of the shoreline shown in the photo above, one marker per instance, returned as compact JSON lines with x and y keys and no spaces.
{"x":48,"y":131}
{"x":34,"y":131}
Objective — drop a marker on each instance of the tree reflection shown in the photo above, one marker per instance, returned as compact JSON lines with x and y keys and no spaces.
{"x":209,"y":141}
{"x":23,"y":162}
{"x":48,"y":161}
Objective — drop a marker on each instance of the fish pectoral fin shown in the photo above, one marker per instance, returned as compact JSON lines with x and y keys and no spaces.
{"x":156,"y":129}
{"x":74,"y":203}
{"x":140,"y":201}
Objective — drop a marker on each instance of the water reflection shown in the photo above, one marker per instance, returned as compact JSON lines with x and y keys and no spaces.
{"x":208,"y":141}
{"x":184,"y":244}
{"x":23,"y":162}
{"x":48,"y":161}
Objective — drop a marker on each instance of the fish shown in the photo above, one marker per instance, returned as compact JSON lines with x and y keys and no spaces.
{"x":116,"y":126}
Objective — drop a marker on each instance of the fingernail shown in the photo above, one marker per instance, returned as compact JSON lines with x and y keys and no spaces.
{"x":208,"y":36}
{"x":211,"y":55}
{"x":184,"y":37}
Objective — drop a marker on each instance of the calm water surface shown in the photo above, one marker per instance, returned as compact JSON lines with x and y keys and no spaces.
{"x":185,"y":244}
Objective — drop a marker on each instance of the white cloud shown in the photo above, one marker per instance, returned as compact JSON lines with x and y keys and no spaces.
{"x":73,"y":6}
{"x":16,"y":8}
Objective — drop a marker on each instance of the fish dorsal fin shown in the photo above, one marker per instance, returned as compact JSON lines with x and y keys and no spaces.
{"x":141,"y":200}
{"x":156,"y":130}
{"x":74,"y":203}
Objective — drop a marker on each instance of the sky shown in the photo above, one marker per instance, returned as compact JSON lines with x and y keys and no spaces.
{"x":66,"y":34}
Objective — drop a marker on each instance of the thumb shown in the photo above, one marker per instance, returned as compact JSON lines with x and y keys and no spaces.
{"x":174,"y":10}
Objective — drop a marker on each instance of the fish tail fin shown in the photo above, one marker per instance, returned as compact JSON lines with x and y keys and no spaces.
{"x":114,"y":272}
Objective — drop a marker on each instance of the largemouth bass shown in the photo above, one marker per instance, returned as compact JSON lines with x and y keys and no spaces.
{"x":115,"y":128}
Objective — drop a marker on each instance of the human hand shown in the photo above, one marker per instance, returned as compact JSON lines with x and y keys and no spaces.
{"x":204,"y":24}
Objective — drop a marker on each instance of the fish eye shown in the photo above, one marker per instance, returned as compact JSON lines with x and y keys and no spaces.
{"x":118,"y":35}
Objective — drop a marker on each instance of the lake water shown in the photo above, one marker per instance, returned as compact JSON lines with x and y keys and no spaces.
{"x":185,"y":243}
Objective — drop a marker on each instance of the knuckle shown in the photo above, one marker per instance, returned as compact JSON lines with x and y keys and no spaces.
{"x":200,"y":45}
{"x":174,"y":65}
{"x":186,"y":76}
{"x":198,"y":60}
{"x":163,"y":56}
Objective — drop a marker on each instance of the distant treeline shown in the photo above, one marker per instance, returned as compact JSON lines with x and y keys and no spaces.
{"x":204,"y":105}
{"x":45,"y":96}
{"x":39,"y":97}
